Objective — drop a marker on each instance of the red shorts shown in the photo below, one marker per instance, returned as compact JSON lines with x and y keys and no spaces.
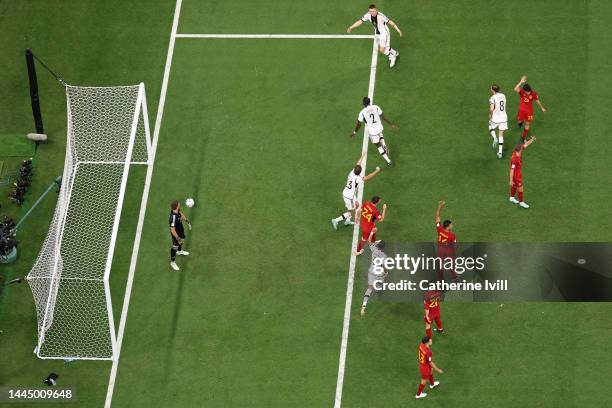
{"x":432,"y":316}
{"x":365,"y":232}
{"x":425,"y":371}
{"x":524,"y":116}
{"x":446,"y":251}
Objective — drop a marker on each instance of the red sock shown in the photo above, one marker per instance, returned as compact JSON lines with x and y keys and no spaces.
{"x":428,"y":332}
{"x":512,"y":191}
{"x":431,"y":380}
{"x":360,"y":245}
{"x":521,"y":196}
{"x":439,"y":323}
{"x":421,"y":388}
{"x":525,"y":131}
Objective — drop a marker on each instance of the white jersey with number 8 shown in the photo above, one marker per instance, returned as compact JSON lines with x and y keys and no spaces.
{"x":499,"y":108}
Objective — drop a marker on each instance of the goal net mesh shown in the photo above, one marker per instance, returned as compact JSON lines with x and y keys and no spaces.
{"x":107,"y":131}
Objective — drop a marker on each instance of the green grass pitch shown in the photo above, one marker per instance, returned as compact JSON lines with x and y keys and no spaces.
{"x":256,"y":131}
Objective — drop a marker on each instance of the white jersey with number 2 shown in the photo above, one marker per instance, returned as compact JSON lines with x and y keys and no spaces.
{"x":371,"y":116}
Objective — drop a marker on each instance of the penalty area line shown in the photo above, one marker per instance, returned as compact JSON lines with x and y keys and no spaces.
{"x":143,"y":206}
{"x":285,"y":36}
{"x":353,"y":258}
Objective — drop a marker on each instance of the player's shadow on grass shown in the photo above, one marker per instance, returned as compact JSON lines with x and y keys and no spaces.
{"x":197,"y":151}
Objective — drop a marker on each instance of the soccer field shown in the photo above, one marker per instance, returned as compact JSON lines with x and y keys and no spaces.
{"x":256,"y":130}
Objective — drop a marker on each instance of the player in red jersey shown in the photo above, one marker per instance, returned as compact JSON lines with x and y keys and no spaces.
{"x":426,"y":366}
{"x":446,"y":240}
{"x":431,"y":304}
{"x":369,"y":216}
{"x":516,"y":176}
{"x":527,"y":96}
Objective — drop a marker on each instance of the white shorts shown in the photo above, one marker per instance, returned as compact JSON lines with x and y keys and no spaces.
{"x":383,"y":39}
{"x":349,"y":203}
{"x":376,"y":138}
{"x":500,"y":125}
{"x":372,"y":278}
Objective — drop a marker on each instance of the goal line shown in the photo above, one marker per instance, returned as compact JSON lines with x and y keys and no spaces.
{"x":271,"y":36}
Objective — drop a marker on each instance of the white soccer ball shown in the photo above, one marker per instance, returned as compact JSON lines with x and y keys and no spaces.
{"x":189,"y":202}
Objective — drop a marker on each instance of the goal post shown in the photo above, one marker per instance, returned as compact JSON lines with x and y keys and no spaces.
{"x":108,"y":131}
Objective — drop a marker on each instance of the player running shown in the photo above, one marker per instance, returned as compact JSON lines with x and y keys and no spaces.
{"x":376,"y":272}
{"x":516,"y":177}
{"x":369,"y":216}
{"x":498,"y":119}
{"x":527,"y":96}
{"x":381,"y":31}
{"x":372,"y":115}
{"x":426,"y":366}
{"x":349,"y":194}
{"x":431,"y":304}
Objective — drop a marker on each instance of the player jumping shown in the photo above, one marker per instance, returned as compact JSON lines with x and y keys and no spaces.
{"x":527,"y":96}
{"x":349,"y":194}
{"x":516,"y":177}
{"x":498,"y":119}
{"x":426,"y":366}
{"x":374,"y":272}
{"x":383,"y":36}
{"x":431,"y":304}
{"x":372,"y":115}
{"x":369,"y":216}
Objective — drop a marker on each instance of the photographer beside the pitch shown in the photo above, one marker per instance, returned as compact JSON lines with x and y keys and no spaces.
{"x":178,"y":232}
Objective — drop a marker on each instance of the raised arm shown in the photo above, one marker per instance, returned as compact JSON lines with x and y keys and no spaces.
{"x":354,"y":25}
{"x":517,"y":87}
{"x":382,"y":217}
{"x":530,"y":141}
{"x":360,"y":159}
{"x":440,"y":205}
{"x":372,"y":174}
{"x":183,"y":216}
{"x":392,"y":24}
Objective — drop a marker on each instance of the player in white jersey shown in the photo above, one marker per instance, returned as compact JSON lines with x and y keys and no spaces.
{"x":381,"y":31}
{"x":498,"y":118}
{"x":376,"y":273}
{"x":349,"y":194}
{"x":373,"y":116}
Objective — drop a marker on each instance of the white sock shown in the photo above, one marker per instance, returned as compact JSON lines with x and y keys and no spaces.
{"x":338,"y":219}
{"x":383,"y":152}
{"x":493,"y":135}
{"x":500,"y":145}
{"x":366,"y":297}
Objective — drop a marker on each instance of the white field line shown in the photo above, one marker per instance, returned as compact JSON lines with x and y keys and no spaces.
{"x":143,"y":205}
{"x":264,"y":36}
{"x":353,"y":258}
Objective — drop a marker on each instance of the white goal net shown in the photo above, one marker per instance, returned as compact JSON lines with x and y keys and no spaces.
{"x":108,"y":130}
